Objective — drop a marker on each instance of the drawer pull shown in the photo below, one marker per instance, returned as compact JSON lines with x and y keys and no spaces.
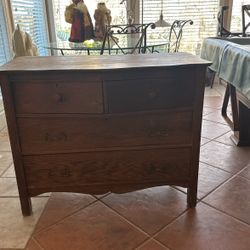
{"x":57,"y":137}
{"x":59,"y":97}
{"x":65,"y":172}
{"x":161,"y":132}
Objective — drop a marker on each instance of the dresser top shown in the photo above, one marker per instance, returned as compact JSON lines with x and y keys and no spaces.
{"x":104,"y":62}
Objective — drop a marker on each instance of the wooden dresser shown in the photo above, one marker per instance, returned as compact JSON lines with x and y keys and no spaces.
{"x":104,"y":123}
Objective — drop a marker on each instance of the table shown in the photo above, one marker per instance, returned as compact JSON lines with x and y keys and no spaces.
{"x":231,"y":61}
{"x":118,"y":124}
{"x":95,"y":47}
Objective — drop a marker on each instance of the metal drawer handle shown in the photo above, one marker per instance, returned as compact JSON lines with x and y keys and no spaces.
{"x":56,"y":137}
{"x":59,"y":97}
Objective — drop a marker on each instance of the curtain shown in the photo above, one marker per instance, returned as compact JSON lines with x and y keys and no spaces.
{"x":31,"y":16}
{"x":202,"y":12}
{"x":236,"y":20}
{"x":4,"y":43}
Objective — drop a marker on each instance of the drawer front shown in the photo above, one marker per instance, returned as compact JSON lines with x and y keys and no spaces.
{"x":172,"y":91}
{"x":58,"y":97}
{"x":103,"y":168}
{"x":75,"y":134}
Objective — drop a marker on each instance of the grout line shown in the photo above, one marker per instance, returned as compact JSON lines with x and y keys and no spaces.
{"x":138,"y":227}
{"x":225,"y":213}
{"x":36,"y":241}
{"x":151,"y":239}
{"x":1,"y":175}
{"x":223,"y":184}
{"x":123,"y":218}
{"x":227,"y":171}
{"x":63,"y":219}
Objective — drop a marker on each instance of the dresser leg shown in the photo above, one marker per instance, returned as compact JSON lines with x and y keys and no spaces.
{"x":191,"y":196}
{"x":26,"y":206}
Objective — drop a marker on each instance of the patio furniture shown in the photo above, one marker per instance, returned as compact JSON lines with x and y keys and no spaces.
{"x":175,"y":34}
{"x":127,"y":39}
{"x":245,"y":24}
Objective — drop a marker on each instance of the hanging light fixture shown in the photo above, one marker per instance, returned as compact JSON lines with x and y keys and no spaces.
{"x":161,"y":22}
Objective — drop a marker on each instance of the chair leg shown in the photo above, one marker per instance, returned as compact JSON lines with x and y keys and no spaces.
{"x":231,"y":93}
{"x":234,"y":108}
{"x":225,"y":101}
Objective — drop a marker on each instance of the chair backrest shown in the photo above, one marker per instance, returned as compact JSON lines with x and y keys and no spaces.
{"x":126,"y":39}
{"x":245,"y":24}
{"x":175,"y":34}
{"x":221,"y":30}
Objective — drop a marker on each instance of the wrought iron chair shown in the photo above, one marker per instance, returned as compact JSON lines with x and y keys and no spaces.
{"x":221,"y":30}
{"x":245,"y":25}
{"x":175,"y":34}
{"x":126,"y":39}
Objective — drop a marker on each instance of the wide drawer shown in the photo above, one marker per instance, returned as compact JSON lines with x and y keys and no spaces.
{"x":102,"y":168}
{"x":77,"y":134}
{"x":174,"y":90}
{"x":58,"y":97}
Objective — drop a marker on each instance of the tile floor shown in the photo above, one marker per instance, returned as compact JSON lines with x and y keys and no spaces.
{"x":151,"y":219}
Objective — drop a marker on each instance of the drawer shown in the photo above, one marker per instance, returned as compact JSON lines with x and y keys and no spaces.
{"x":172,"y":91}
{"x":58,"y":97}
{"x":107,"y":168}
{"x":77,"y":134}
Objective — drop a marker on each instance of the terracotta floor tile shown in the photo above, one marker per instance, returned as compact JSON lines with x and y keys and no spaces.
{"x":233,"y":198}
{"x":10,"y":172}
{"x":213,"y":101}
{"x":2,"y":120}
{"x":246,"y":172}
{"x":4,"y":144}
{"x":95,"y":227}
{"x":204,"y":141}
{"x":8,"y":187}
{"x":215,"y":116}
{"x":229,"y":158}
{"x":211,"y":130}
{"x":209,"y":179}
{"x":16,"y":229}
{"x":152,"y":245}
{"x":207,"y":110}
{"x":205,"y":228}
{"x":33,"y":245}
{"x":5,"y":161}
{"x":61,"y":205}
{"x":226,"y":139}
{"x":150,"y":209}
{"x":211,"y":92}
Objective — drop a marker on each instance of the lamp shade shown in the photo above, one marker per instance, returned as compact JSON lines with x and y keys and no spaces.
{"x":161,"y":22}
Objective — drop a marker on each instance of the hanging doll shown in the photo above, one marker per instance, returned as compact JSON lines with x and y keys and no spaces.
{"x":102,"y":17}
{"x":81,"y":24}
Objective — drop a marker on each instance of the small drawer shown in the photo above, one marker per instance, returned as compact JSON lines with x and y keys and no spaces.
{"x":107,"y":168}
{"x":58,"y":97}
{"x":77,"y":134}
{"x":172,"y":91}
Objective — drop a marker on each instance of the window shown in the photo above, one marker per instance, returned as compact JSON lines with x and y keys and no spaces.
{"x":31,"y":16}
{"x":236,"y":20}
{"x":4,"y":42}
{"x":203,"y":13}
{"x":118,"y":13}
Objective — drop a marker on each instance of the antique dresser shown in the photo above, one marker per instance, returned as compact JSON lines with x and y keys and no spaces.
{"x":104,"y":123}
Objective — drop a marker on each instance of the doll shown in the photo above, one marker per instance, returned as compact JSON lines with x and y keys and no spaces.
{"x":102,"y":17}
{"x":81,"y":24}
